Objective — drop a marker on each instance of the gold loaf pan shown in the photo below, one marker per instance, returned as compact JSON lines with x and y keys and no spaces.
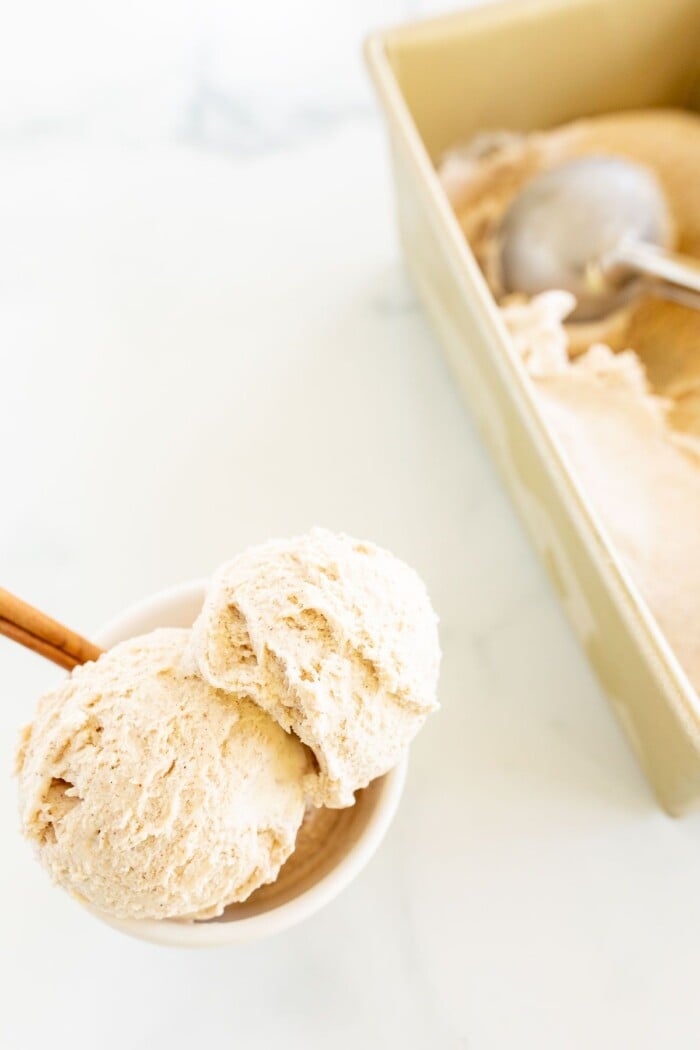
{"x":526,"y":65}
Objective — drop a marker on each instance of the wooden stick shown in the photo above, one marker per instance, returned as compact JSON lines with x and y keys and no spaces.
{"x":39,"y":632}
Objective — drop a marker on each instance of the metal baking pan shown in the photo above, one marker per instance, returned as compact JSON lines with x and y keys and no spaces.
{"x":528,"y":65}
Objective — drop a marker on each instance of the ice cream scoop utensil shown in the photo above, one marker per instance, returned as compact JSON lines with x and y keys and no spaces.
{"x":599,"y":227}
{"x":24,"y":624}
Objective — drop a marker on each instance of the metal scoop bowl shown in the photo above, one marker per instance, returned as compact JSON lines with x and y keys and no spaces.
{"x":599,"y":227}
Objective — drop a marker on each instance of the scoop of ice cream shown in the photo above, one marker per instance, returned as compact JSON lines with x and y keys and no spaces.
{"x":337,"y":640}
{"x":150,"y":794}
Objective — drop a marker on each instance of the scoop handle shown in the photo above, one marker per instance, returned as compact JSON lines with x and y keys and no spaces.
{"x":672,"y":276}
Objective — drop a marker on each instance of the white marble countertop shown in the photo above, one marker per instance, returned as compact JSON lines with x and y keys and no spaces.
{"x":206,"y":338}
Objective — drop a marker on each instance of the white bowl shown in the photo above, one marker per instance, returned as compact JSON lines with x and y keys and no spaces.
{"x":309,"y":879}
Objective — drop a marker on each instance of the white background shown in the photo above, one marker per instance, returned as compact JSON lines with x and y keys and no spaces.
{"x":206,"y":338}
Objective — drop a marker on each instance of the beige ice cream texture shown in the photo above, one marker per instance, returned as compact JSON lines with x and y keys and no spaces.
{"x":168,"y":779}
{"x":627,"y":421}
{"x":336,"y":640}
{"x":148,"y":793}
{"x":641,"y":477}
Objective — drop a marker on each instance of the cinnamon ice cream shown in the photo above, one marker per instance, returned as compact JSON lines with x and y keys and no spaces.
{"x":483,"y":177}
{"x":641,"y":477}
{"x":336,"y":640}
{"x":627,"y":420}
{"x":149,"y":793}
